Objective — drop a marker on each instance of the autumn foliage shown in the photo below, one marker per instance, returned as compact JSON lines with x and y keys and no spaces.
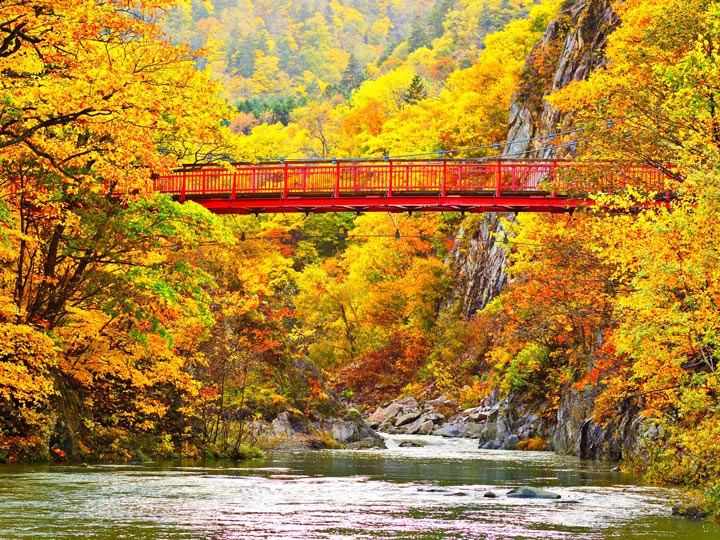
{"x":624,"y":299}
{"x":131,"y":325}
{"x":98,"y":297}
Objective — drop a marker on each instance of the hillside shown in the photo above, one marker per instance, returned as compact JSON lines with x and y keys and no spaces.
{"x":135,"y":326}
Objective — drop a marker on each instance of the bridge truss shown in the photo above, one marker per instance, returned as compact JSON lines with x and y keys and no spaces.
{"x":404,"y":185}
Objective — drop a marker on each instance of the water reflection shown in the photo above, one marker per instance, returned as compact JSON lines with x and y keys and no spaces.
{"x":436,"y":491}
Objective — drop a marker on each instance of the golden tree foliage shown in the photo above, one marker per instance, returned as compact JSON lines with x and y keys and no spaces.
{"x":27,"y":358}
{"x":372,"y":310}
{"x":94,"y":101}
{"x":656,"y":100}
{"x":558,"y":302}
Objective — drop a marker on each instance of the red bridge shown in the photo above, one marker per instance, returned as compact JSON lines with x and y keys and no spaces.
{"x":404,"y":186}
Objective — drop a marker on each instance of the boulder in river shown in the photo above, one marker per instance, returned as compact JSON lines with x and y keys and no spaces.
{"x":407,"y":417}
{"x":387,"y":416}
{"x":295,"y":430}
{"x":421,"y":426}
{"x":411,"y":444}
{"x":526,"y":492}
{"x":451,"y":430}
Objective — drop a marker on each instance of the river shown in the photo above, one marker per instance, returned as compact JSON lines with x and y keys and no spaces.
{"x":432,"y":492}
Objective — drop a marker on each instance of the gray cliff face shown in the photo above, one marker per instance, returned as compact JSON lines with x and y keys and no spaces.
{"x":478,"y":261}
{"x":572,"y":47}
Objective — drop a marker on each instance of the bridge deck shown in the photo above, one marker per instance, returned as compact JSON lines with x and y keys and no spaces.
{"x":400,"y":186}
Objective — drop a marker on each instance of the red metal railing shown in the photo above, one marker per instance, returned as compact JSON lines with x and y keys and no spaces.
{"x":540,"y":185}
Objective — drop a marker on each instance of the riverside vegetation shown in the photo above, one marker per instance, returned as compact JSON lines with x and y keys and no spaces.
{"x":134,"y":327}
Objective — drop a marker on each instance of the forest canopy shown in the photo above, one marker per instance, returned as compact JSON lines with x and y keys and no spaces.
{"x":132,"y":325}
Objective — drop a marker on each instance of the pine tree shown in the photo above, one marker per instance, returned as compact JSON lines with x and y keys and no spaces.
{"x":435,"y":19}
{"x":352,"y":76}
{"x":418,"y":35}
{"x":415,"y":92}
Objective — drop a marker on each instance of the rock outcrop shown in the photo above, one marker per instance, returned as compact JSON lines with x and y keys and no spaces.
{"x":572,"y":47}
{"x":292,"y":430}
{"x":478,"y":260}
{"x":496,"y":425}
{"x":440,"y":417}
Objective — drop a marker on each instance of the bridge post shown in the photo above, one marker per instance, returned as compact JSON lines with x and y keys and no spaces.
{"x":183,"y":186}
{"x":498,"y":180}
{"x":390,"y":179}
{"x":336,"y":191}
{"x":285,"y":179}
{"x":443,"y":187}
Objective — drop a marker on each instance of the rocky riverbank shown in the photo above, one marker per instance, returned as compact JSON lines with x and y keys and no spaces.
{"x":297,"y":431}
{"x":495,"y":424}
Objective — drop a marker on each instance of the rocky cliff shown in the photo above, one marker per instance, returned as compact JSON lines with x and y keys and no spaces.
{"x":571,"y":48}
{"x":478,"y":260}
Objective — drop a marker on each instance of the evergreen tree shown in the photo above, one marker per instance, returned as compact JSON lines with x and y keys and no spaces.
{"x":352,"y":76}
{"x":415,"y":92}
{"x":418,"y":35}
{"x":435,"y":19}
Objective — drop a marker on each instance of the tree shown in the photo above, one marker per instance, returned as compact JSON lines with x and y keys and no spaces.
{"x":657,"y":96}
{"x":418,"y":36}
{"x":559,"y":301}
{"x":371,"y":311}
{"x":415,"y":92}
{"x":656,"y":101}
{"x":96,"y":101}
{"x":352,"y":76}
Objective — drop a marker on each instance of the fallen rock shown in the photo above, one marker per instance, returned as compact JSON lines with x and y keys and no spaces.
{"x":344,"y":431}
{"x":420,"y":427}
{"x":407,"y":417}
{"x":490,"y":495}
{"x":366,"y":443}
{"x":526,"y":492}
{"x":511,"y":442}
{"x":437,"y":402}
{"x":473,"y":430}
{"x":288,"y":425}
{"x":423,"y":425}
{"x":411,"y":444}
{"x":408,"y":403}
{"x":383,"y":415}
{"x":451,"y":430}
{"x":477,"y":414}
{"x":689,"y":511}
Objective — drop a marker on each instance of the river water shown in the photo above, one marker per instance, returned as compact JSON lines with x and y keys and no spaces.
{"x":433,"y":492}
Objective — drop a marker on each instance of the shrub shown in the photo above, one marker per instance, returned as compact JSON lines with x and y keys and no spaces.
{"x":535,"y":444}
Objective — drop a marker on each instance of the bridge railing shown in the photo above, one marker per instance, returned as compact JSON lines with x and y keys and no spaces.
{"x":437,"y":177}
